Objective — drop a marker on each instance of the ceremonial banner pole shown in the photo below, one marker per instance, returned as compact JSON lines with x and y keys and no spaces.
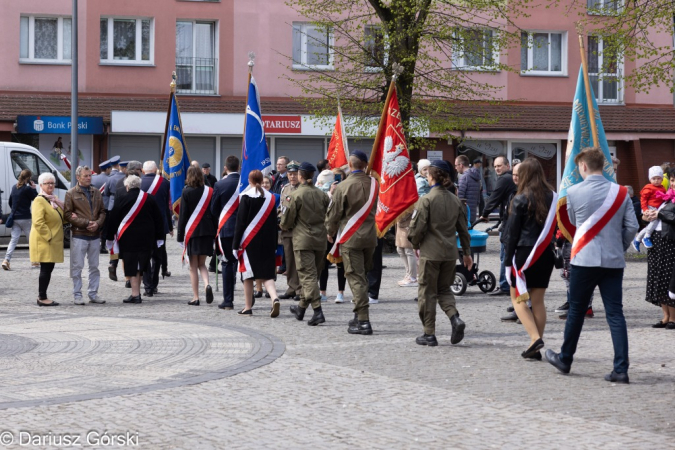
{"x":589,"y":98}
{"x":251,"y":63}
{"x":168,"y":114}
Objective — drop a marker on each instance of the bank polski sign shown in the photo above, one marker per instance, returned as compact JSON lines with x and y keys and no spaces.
{"x":57,"y":125}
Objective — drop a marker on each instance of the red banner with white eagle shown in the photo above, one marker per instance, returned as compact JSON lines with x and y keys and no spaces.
{"x":390,"y":164}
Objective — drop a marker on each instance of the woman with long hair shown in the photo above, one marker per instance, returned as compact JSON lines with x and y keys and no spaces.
{"x":196,"y":231}
{"x":20,"y":199}
{"x":528,"y":212}
{"x":256,"y":245}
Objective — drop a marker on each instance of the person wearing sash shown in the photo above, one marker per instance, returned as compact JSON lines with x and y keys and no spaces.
{"x":136,"y":229}
{"x":197,"y":230}
{"x":224,"y":204}
{"x":305,"y":214}
{"x":529,"y":250}
{"x":157,"y":186}
{"x":255,"y":241}
{"x":294,"y":290}
{"x":352,"y":213}
{"x":267,"y":185}
{"x":605,"y":225}
{"x":435,"y":236}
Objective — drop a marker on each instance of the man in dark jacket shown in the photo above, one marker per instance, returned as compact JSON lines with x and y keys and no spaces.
{"x":469,"y":185}
{"x":499,"y":199}
{"x":209,"y":179}
{"x":281,"y":178}
{"x":222,"y":193}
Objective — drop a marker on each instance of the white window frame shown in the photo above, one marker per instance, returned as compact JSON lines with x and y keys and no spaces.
{"x":303,"y":26}
{"x":31,"y":41}
{"x":138,"y":61}
{"x":458,"y":62}
{"x":375,"y":69}
{"x":601,"y":5}
{"x":216,"y":52}
{"x":530,"y":55}
{"x":599,"y":97}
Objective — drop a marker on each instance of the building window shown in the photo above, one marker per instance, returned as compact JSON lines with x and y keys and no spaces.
{"x":376,"y":54}
{"x":312,"y":46}
{"x":45,"y":39}
{"x":543,"y":53}
{"x":604,"y":7}
{"x":127,"y":41}
{"x":475,"y":49}
{"x":604,"y":71}
{"x":196,"y":63}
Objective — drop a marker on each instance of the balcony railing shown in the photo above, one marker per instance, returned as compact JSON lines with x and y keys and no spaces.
{"x":197,"y":76}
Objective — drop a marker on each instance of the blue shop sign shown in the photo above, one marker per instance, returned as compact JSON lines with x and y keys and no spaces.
{"x":58,"y":125}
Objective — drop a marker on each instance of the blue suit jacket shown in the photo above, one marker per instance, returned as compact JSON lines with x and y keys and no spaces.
{"x":222,"y":192}
{"x":161,"y":197}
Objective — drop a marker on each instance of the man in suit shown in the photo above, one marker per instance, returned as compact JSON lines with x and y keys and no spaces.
{"x":162,"y":197}
{"x":209,"y":179}
{"x":222,"y":193}
{"x":281,"y":178}
{"x":600,"y":262}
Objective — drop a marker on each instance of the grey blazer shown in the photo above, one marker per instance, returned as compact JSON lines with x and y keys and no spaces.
{"x":607,"y":248}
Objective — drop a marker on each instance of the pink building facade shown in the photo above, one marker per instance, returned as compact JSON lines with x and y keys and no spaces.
{"x":128,"y":50}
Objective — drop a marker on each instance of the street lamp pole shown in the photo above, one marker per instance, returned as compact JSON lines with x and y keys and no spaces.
{"x":74,"y":145}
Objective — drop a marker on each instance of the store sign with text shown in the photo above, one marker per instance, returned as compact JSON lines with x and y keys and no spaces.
{"x":58,"y":125}
{"x":282,"y":124}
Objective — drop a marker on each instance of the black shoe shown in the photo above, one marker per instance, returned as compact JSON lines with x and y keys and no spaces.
{"x":563,"y":316}
{"x":427,"y":339}
{"x":166,"y":273}
{"x":286,"y":296}
{"x":510,"y":317}
{"x":355,"y":321}
{"x":276,"y":305}
{"x":245,"y":312}
{"x":554,"y":358}
{"x":534,"y":348}
{"x":317,"y":318}
{"x":128,"y":284}
{"x":458,"y":326}
{"x":53,"y":303}
{"x":226,"y":306}
{"x":670,"y":326}
{"x":112,"y":273}
{"x":267,"y":295}
{"x":132,"y":299}
{"x":149,"y":293}
{"x":535,"y":356}
{"x":415,"y":298}
{"x":212,"y":269}
{"x":258,"y":294}
{"x":617,"y":377}
{"x":564,"y":308}
{"x":209,"y":294}
{"x":155,"y":291}
{"x":510,"y":309}
{"x":296,"y":298}
{"x":298,"y":312}
{"x":194,"y":302}
{"x":499,"y":292}
{"x":104,"y":250}
{"x":660,"y":324}
{"x":362,"y":327}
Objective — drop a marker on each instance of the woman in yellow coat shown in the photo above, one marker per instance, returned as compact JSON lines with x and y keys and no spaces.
{"x":46,"y":234}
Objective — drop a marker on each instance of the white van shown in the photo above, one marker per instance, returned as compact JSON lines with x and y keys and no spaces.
{"x":13,"y":159}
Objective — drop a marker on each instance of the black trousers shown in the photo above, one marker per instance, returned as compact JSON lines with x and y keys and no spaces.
{"x":151,"y":277}
{"x":229,"y":267}
{"x":44,"y":279}
{"x":165,"y":258}
{"x":375,"y":274}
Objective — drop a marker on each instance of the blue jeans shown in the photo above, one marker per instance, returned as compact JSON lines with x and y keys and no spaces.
{"x":583,"y":281}
{"x":503,"y":282}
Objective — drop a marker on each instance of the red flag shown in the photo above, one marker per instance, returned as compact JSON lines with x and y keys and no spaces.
{"x":337,"y":149}
{"x":390,"y":164}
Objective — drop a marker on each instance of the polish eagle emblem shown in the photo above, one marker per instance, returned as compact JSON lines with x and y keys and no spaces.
{"x":394,"y":163}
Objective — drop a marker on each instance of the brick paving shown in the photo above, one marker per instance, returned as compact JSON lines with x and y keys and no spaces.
{"x":186,"y":377}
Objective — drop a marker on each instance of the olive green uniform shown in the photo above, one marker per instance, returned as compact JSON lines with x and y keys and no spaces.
{"x":357,"y":253}
{"x":438,"y":220}
{"x":305,"y":214}
{"x":292,"y":278}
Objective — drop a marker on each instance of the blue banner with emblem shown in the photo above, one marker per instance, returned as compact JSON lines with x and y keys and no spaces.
{"x":176,"y":159}
{"x":255,"y":154}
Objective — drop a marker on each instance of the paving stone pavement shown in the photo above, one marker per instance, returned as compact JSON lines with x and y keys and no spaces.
{"x":84,"y":370}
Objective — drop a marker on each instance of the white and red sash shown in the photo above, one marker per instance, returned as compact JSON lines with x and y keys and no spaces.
{"x":250,"y":232}
{"x":542,"y":245}
{"x":154,"y":187}
{"x":353,"y":224}
{"x":128,"y":219}
{"x":229,"y":209}
{"x":597,"y":221}
{"x":196,"y":217}
{"x":102,"y":188}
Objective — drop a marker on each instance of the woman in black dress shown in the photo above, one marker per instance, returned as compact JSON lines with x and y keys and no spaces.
{"x":200,"y":243}
{"x":260,"y":248}
{"x":527,"y":216}
{"x":140,"y":239}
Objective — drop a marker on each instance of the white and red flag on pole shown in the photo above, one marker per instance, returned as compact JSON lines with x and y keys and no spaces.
{"x":338,"y":148}
{"x":390,"y":165}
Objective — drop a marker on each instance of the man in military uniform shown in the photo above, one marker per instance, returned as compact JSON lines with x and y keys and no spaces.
{"x":305,"y":214}
{"x":108,"y":199}
{"x":357,"y":251}
{"x":294,"y":290}
{"x":98,"y":181}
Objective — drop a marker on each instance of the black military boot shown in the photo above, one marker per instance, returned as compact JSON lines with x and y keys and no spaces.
{"x":427,"y":339}
{"x":298,"y":312}
{"x":355,"y":321}
{"x":458,"y":326}
{"x":317,"y":318}
{"x":362,"y":327}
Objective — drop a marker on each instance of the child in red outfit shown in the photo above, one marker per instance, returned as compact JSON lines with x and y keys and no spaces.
{"x":650,"y":200}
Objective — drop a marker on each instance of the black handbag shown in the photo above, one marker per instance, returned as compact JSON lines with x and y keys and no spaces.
{"x":9,"y":222}
{"x":558,"y":260}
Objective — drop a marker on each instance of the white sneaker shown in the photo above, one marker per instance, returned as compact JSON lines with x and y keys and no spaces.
{"x":96,"y":300}
{"x":324,"y":298}
{"x":373,"y":301}
{"x":340,"y":298}
{"x":78,"y":301}
{"x":410,"y":283}
{"x":404,"y":281}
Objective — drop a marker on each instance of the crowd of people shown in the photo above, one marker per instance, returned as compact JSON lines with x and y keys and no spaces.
{"x":305,"y":218}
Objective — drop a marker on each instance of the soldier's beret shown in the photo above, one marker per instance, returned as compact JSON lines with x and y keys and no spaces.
{"x":440,"y":164}
{"x":359,"y":154}
{"x":308,"y":167}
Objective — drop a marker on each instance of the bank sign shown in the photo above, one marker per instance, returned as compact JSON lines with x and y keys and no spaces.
{"x":58,"y":125}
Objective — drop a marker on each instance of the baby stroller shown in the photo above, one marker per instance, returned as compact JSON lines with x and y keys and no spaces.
{"x":464,"y":277}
